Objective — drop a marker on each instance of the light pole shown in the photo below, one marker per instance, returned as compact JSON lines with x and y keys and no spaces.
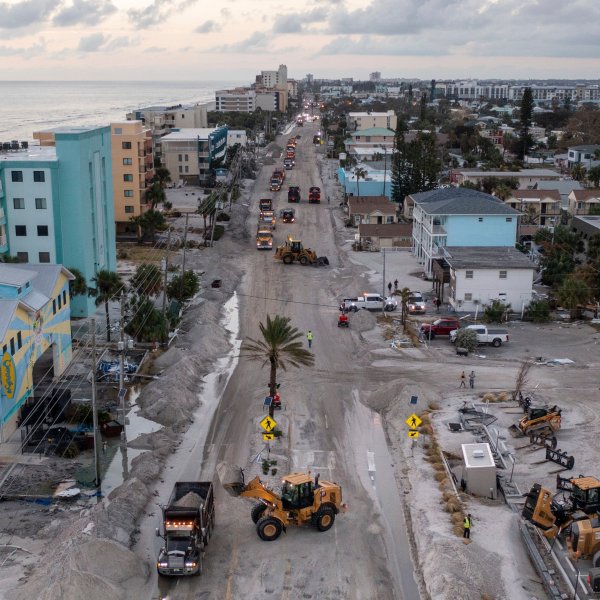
{"x":384,"y":167}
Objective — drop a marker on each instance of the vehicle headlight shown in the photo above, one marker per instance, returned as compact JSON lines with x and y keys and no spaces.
{"x":162,"y":564}
{"x":190,"y":564}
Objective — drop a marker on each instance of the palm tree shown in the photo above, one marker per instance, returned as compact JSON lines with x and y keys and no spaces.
{"x":578,"y":172}
{"x":147,"y":280}
{"x":280,"y":347}
{"x":162,"y":176}
{"x":155,"y":194}
{"x":405,"y":295}
{"x":572,"y":293}
{"x":151,"y":221}
{"x":108,"y":285}
{"x":77,"y":287}
{"x":359,"y":173}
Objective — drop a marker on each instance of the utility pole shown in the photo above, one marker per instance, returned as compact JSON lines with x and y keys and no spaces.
{"x":164,"y":304}
{"x":187,"y":217}
{"x":383,"y":284}
{"x":121,"y":347}
{"x":94,"y":409}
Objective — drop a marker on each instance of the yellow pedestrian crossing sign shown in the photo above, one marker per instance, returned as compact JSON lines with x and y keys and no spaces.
{"x":413,"y":434}
{"x":268,"y":436}
{"x":268,"y":424}
{"x":413,"y":421}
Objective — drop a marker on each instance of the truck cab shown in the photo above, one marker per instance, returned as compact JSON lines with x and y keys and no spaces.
{"x":294,"y":193}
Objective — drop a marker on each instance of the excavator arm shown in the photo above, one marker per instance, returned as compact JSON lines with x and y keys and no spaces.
{"x":256,"y":489}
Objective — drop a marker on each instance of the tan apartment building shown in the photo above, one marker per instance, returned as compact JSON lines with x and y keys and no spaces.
{"x":537,"y":207}
{"x":132,"y":169}
{"x":358,"y":121}
{"x":584,"y":202}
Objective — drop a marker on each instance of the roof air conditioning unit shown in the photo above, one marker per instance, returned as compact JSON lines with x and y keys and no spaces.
{"x":478,"y":454}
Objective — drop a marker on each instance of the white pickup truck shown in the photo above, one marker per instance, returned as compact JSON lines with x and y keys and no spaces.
{"x":485,"y":335}
{"x":369,"y":302}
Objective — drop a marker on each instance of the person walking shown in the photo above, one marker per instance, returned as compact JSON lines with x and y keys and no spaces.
{"x":467,"y":524}
{"x":437,"y":303}
{"x":472,"y":379}
{"x":390,"y":287}
{"x":395,"y":285}
{"x":309,"y":338}
{"x":463,"y":377}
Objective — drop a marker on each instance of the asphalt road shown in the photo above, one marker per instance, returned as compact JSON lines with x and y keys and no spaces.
{"x":326,"y":429}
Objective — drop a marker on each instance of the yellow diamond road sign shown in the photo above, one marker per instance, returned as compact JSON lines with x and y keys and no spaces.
{"x":413,"y":434}
{"x":413,"y":421}
{"x":268,"y":436}
{"x":268,"y":424}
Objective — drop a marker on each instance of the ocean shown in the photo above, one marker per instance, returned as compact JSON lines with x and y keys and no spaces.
{"x":28,"y":106}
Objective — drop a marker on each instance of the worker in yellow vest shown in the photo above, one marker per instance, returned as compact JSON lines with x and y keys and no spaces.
{"x":309,"y":337}
{"x":467,"y":527}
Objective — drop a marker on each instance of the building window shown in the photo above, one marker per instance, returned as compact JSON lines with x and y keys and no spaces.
{"x":186,"y":157}
{"x":503,"y":274}
{"x":44,"y":257}
{"x":12,"y":345}
{"x":39,"y":176}
{"x":129,"y":209}
{"x":481,"y":219}
{"x":64,"y":297}
{"x":20,"y":230}
{"x":180,"y":157}
{"x":468,"y":297}
{"x":126,"y":145}
{"x":16,"y":176}
{"x":180,"y":169}
{"x":127,"y":161}
{"x":59,"y":302}
{"x":128,"y":193}
{"x":128,"y":177}
{"x":19,"y":290}
{"x":509,"y":219}
{"x":187,"y":169}
{"x":118,"y":130}
{"x":18,"y":203}
{"x":23,"y":256}
{"x":19,"y":340}
{"x":40,"y":203}
{"x":42,"y":230}
{"x":468,"y":274}
{"x":53,"y":307}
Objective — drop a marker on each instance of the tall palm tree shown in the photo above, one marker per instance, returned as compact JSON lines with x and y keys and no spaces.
{"x":108,"y":284}
{"x":280,"y":347}
{"x":77,"y":287}
{"x":572,"y":293}
{"x":405,"y":295}
{"x":162,"y":176}
{"x":359,"y":173}
{"x":155,"y":194}
{"x":152,"y":221}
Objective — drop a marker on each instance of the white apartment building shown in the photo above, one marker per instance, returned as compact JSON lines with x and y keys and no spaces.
{"x":358,"y":121}
{"x":471,"y":90}
{"x":237,"y":99}
{"x":275,"y":79}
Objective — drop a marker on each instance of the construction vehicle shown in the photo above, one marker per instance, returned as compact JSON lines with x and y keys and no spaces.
{"x":267,"y":217}
{"x":188,"y":523}
{"x":293,"y":251}
{"x":265,"y":204}
{"x":541,"y":421}
{"x":314,"y":195}
{"x":294,"y":194}
{"x":277,"y":179}
{"x":287,"y":215}
{"x":576,"y":500}
{"x":302,"y":501}
{"x":264,"y":238}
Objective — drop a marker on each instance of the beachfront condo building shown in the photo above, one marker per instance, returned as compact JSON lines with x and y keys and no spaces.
{"x":190,"y":154}
{"x":132,"y":171}
{"x":58,"y":204}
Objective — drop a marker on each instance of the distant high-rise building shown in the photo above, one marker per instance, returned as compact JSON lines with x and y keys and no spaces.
{"x":309,"y":78}
{"x":375,"y":76}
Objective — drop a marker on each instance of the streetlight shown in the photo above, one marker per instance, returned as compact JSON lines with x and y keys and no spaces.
{"x":384,"y":148}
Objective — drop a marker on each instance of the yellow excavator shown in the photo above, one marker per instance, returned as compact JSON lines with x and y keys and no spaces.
{"x":303,"y":501}
{"x":293,"y":250}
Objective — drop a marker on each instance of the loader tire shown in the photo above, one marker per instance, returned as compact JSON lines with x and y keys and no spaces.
{"x":257,"y":512}
{"x":325,"y":518}
{"x":288,"y":259}
{"x":596,"y":560}
{"x":303,"y":260}
{"x":268,"y":529}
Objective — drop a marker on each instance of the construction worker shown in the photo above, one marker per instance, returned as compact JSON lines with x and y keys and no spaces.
{"x":463,"y":378}
{"x":309,"y":337}
{"x":467,"y":523}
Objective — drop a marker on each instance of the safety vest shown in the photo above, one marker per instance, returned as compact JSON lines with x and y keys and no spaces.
{"x":309,"y":336}
{"x":467,"y":523}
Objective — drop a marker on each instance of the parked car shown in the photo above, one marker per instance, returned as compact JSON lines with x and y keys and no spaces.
{"x":485,"y":335}
{"x":416,"y":304}
{"x":440,"y":327}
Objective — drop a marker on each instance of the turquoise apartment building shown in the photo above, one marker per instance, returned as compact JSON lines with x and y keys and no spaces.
{"x":56,"y":204}
{"x":35,"y":317}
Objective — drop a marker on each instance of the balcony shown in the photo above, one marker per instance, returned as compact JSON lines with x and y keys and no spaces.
{"x":149,"y":175}
{"x":3,"y":243}
{"x":141,"y":168}
{"x":149,"y":161}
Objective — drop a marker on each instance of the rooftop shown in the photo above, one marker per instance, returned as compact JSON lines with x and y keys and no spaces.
{"x":369,"y":204}
{"x":460,"y":201}
{"x":535,"y":195}
{"x":486,"y":257}
{"x":385,"y":230}
{"x":478,"y":455}
{"x":586,"y":194}
{"x":31,"y":154}
{"x":191,"y":133}
{"x":523,"y":173}
{"x":14,"y":276}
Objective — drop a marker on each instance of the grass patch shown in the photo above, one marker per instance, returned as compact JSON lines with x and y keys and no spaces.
{"x":139,"y":253}
{"x":440,"y":476}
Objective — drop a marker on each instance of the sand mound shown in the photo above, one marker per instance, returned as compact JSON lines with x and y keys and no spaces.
{"x":362,"y":320}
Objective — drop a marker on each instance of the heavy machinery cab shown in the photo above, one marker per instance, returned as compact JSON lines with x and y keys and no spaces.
{"x":297,"y":492}
{"x":295,"y":245}
{"x":584,"y":493}
{"x":539,"y":412}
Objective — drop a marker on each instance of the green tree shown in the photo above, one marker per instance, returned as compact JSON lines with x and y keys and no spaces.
{"x":593,"y":176}
{"x":77,"y":287}
{"x":208,"y":207}
{"x":107,"y":285}
{"x":495,"y":311}
{"x":404,"y":296}
{"x":572,"y":293}
{"x":537,"y":311}
{"x":162,"y":176}
{"x":147,"y":280}
{"x":154,"y":195}
{"x":466,"y":338}
{"x":183,"y":287}
{"x":359,"y":173}
{"x":280,"y":347}
{"x":147,"y":323}
{"x":525,"y":116}
{"x":578,"y":172}
{"x":151,"y":222}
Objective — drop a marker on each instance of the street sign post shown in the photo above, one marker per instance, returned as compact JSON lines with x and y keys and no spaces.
{"x":413,"y":421}
{"x":268,"y":424}
{"x":413,"y":434}
{"x":268,"y":436}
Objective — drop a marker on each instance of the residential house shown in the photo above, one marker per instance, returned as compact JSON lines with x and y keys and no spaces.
{"x":586,"y":227}
{"x":385,"y":235}
{"x":360,"y":121}
{"x":237,"y":136}
{"x":480,"y":274}
{"x":587,"y":155}
{"x":564,"y":188}
{"x":376,"y":137}
{"x":377,"y":180}
{"x":35,"y":318}
{"x":189,"y":154}
{"x":584,"y":202}
{"x":459,"y":217}
{"x":371,"y":210}
{"x":527,"y":178}
{"x":537,"y":207}
{"x":58,"y":204}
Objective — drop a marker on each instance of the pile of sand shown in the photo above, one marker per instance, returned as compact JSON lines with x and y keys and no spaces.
{"x":362,"y":320}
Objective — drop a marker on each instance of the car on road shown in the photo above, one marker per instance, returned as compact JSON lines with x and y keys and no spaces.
{"x":416,"y":304}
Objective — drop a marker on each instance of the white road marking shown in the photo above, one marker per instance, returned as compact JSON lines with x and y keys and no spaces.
{"x":559,"y":544}
{"x":371,"y":461}
{"x":570,"y":564}
{"x":326,"y":423}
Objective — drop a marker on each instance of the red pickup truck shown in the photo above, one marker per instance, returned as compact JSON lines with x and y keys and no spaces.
{"x":440,"y":327}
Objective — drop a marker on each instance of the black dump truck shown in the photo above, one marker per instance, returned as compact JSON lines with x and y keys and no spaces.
{"x":188,"y":523}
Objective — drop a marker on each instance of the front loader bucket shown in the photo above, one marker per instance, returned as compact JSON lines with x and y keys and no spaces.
{"x":231,"y":478}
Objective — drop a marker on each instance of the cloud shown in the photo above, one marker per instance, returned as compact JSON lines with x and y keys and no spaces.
{"x":257,"y":42}
{"x":28,"y":12}
{"x":152,"y":14}
{"x":153,"y":49}
{"x":92,"y":43}
{"x":88,"y":12}
{"x":380,"y":46}
{"x":29,"y":52}
{"x":295,"y":22}
{"x":207,"y":27}
{"x":225,"y":13}
{"x":118,"y":43}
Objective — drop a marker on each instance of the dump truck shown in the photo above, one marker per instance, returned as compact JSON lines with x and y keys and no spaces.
{"x":314,"y":195}
{"x":188,"y":523}
{"x":294,"y":193}
{"x":265,"y":204}
{"x":277,"y":179}
{"x":293,"y":251}
{"x":264,"y":239}
{"x":302,"y":501}
{"x":267,"y":217}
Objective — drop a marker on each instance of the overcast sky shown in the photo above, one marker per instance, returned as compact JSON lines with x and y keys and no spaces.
{"x":234,"y":39}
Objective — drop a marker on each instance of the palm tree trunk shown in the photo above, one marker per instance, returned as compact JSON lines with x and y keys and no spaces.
{"x":272,"y":387}
{"x":107,"y":321}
